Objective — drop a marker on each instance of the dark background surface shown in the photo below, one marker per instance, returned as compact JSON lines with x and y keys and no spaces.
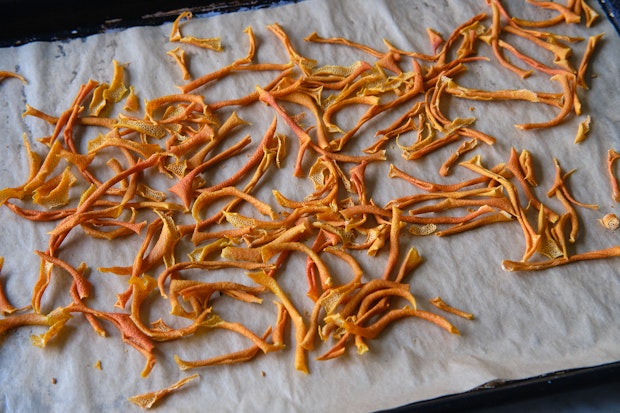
{"x":22,"y":21}
{"x":594,"y":389}
{"x":612,"y":8}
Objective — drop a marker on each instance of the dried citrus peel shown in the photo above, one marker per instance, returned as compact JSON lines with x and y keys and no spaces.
{"x":213,"y":43}
{"x":229,"y":358}
{"x":441,"y":304}
{"x":297,"y":320}
{"x":6,"y":307}
{"x":149,"y":400}
{"x":6,"y":74}
{"x":180,"y":138}
{"x":610,"y":221}
{"x":612,"y":157}
{"x":536,"y":266}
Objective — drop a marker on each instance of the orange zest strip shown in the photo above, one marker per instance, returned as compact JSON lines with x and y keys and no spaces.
{"x":468,"y":225}
{"x":581,"y":7}
{"x":131,"y":334}
{"x":6,"y":74}
{"x":213,"y":43}
{"x":531,"y":238}
{"x":543,"y":265}
{"x":612,"y":157}
{"x":229,"y":358}
{"x":179,"y":57}
{"x":568,"y":15}
{"x":149,"y":400}
{"x":70,"y":222}
{"x":300,"y":327}
{"x":83,"y":285}
{"x":395,"y":226}
{"x":434,"y":187}
{"x":514,"y":166}
{"x":465,"y":147}
{"x":204,"y":265}
{"x":184,"y":188}
{"x":568,"y":85}
{"x":495,"y":32}
{"x":314,"y":37}
{"x":55,"y":320}
{"x":304,"y":64}
{"x":375,"y":329}
{"x":5,"y":306}
{"x":216,"y":322}
{"x":205,"y":197}
{"x":304,"y":139}
{"x":441,"y":304}
{"x":267,"y":142}
{"x":560,"y":51}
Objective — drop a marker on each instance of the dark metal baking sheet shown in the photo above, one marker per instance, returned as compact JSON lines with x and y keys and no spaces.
{"x":26,"y":21}
{"x":503,"y":393}
{"x":38,"y":20}
{"x":612,"y":10}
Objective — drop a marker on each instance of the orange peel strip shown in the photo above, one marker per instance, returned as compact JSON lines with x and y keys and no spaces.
{"x":435,"y":187}
{"x":378,"y":326}
{"x":267,"y":142}
{"x":567,"y":80}
{"x":441,"y":304}
{"x":206,"y":197}
{"x":83,"y":285}
{"x":612,"y":157}
{"x":5,"y":306}
{"x":529,"y":60}
{"x":212,"y":43}
{"x":560,"y":51}
{"x":4,"y":74}
{"x":531,"y":238}
{"x":179,"y":57}
{"x":148,"y":400}
{"x":590,"y":14}
{"x":67,"y":224}
{"x":514,"y":166}
{"x":274,"y":247}
{"x":493,"y":218}
{"x":505,"y":94}
{"x":465,"y":147}
{"x":593,"y":41}
{"x":217,"y":322}
{"x":298,"y":321}
{"x":395,"y":227}
{"x":543,"y":265}
{"x":55,"y":320}
{"x":205,"y":265}
{"x":184,"y":188}
{"x":495,"y":32}
{"x":229,"y":358}
{"x":305,"y":64}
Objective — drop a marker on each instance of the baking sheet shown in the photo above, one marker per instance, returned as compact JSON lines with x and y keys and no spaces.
{"x":611,"y":8}
{"x":566,"y":387}
{"x":526,"y":324}
{"x":67,"y":19}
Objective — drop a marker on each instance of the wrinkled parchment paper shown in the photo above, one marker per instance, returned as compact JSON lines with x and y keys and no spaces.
{"x":526,"y":323}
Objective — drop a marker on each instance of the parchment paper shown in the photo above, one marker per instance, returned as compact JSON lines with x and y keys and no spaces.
{"x":526,"y":323}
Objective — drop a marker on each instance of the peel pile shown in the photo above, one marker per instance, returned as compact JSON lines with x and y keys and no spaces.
{"x":115,"y":167}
